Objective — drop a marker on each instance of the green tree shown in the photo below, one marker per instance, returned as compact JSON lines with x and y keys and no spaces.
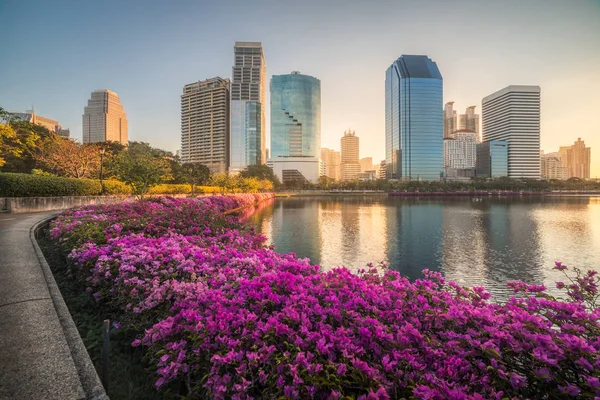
{"x":249,"y":185}
{"x":141,"y":167}
{"x":195,"y":174}
{"x":260,"y":171}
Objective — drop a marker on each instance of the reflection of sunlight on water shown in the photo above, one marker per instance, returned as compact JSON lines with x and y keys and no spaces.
{"x":485,"y":243}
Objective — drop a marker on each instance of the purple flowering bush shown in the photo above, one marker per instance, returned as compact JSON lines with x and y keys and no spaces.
{"x":226,"y":317}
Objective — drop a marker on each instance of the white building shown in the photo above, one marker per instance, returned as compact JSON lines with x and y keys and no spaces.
{"x":552,"y":167}
{"x":460,"y":150}
{"x":513,"y":115}
{"x":104,"y":119}
{"x":293,"y":169}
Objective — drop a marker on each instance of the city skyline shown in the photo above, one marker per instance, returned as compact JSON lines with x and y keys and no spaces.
{"x":352,"y":96}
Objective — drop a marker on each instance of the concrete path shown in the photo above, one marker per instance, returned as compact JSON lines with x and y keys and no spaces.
{"x":41,"y":353}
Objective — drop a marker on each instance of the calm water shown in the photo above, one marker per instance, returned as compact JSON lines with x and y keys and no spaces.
{"x":475,"y":243}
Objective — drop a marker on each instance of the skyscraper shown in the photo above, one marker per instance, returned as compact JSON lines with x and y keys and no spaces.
{"x":469,"y":120}
{"x":333,"y":163}
{"x":350,"y":156}
{"x":205,"y":123}
{"x":295,"y":116}
{"x":450,"y":124}
{"x":513,"y":115}
{"x":366,"y":164}
{"x":414,"y":126}
{"x":104,"y":118}
{"x":460,"y":150}
{"x":492,"y":159}
{"x":552,"y":167}
{"x":577,"y":159}
{"x":248,"y":106}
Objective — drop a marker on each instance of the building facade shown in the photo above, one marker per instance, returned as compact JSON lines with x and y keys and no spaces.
{"x":460,"y":150}
{"x":332,"y":162}
{"x":552,"y":167}
{"x":577,"y":159}
{"x":450,"y":119}
{"x":247,"y":139}
{"x":350,"y":156}
{"x":50,"y":124}
{"x":469,"y":120}
{"x":492,"y":159}
{"x":104,"y":119}
{"x":513,"y":115}
{"x":414,"y":126}
{"x":366,"y":164}
{"x":205,"y":123}
{"x":297,"y":169}
{"x":381,"y":170}
{"x":295,"y":116}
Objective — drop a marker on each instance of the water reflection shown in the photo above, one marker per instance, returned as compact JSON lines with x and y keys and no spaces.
{"x":484,"y":242}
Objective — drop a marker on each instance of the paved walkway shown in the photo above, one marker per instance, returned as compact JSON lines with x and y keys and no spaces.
{"x":41,"y":353}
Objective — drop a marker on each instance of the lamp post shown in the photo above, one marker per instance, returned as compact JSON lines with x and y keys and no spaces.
{"x":102,"y":151}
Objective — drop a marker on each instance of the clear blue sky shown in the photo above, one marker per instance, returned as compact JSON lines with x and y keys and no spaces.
{"x":55,"y":53}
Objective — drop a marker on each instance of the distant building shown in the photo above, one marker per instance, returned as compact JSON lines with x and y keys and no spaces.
{"x":460,"y":150}
{"x":414,"y":126}
{"x":450,"y":120}
{"x":366,"y":164}
{"x":513,"y":115}
{"x":332,"y":162}
{"x":350,"y":156}
{"x":492,"y":159}
{"x":205,"y":123}
{"x":247,"y":139}
{"x":296,"y":169}
{"x":50,"y":124}
{"x":367,"y":176}
{"x":104,"y":119}
{"x":577,"y":159}
{"x":469,"y":121}
{"x":381,"y":170}
{"x":552,"y":167}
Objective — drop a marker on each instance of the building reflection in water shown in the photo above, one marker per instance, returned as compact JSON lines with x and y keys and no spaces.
{"x":486,"y":242}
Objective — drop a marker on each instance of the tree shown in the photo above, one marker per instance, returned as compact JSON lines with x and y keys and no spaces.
{"x":64,"y":157}
{"x":141,"y":167}
{"x":195,"y":174}
{"x":249,"y":185}
{"x":260,"y":171}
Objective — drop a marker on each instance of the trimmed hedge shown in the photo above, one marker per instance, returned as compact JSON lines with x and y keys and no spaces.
{"x":165,"y":188}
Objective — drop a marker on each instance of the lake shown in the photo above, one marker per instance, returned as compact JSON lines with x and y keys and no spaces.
{"x":486,"y":242}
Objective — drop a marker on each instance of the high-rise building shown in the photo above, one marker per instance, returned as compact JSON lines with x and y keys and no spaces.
{"x":552,"y":167}
{"x":205,"y":123}
{"x":350,"y":156}
{"x":295,"y":116}
{"x":577,"y":159}
{"x":104,"y":119}
{"x":414,"y":126}
{"x":450,"y":124}
{"x":460,"y":150}
{"x":332,"y":162}
{"x":248,"y":105}
{"x":513,"y":115}
{"x":381,"y":170}
{"x":366,"y":164}
{"x":492,"y":159}
{"x":469,"y":120}
{"x":50,"y":124}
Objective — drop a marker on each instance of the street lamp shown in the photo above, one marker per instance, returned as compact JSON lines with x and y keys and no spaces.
{"x":102,"y":151}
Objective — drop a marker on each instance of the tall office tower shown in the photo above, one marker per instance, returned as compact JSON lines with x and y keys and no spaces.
{"x":366,"y":164}
{"x":248,"y":106}
{"x":460,"y":150}
{"x":492,"y":159}
{"x":205,"y":123}
{"x":333,"y":163}
{"x":414,"y":126}
{"x":552,"y":167}
{"x":104,"y":118}
{"x":513,"y":115}
{"x":577,"y":159}
{"x":350,"y":159}
{"x":50,"y":124}
{"x":381,"y":170}
{"x":469,"y":120}
{"x":450,"y":124}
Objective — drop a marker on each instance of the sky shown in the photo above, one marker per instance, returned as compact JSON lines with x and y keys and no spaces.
{"x":55,"y":53}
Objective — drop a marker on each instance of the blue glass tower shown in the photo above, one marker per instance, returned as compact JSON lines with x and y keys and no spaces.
{"x":414,"y":127}
{"x":295,"y":116}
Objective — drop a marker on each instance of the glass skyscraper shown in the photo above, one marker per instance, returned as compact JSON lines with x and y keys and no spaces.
{"x":295,"y":116}
{"x":414,"y":126}
{"x":492,"y":159}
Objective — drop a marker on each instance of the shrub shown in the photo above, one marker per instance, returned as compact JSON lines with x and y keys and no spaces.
{"x":170,"y":189}
{"x":26,"y":185}
{"x":114,"y":187}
